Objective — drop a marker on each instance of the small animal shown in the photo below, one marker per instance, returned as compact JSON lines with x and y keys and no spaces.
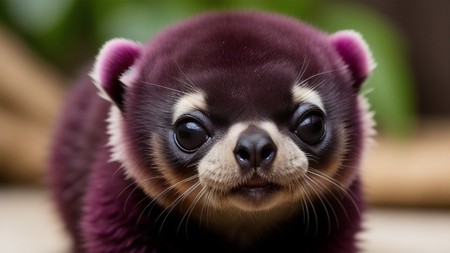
{"x":232,"y":131}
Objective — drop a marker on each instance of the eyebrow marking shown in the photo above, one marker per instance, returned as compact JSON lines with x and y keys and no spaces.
{"x":306,"y":95}
{"x":187,"y":103}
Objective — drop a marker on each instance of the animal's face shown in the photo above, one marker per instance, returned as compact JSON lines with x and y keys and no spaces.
{"x":245,"y":142}
{"x":238,"y":117}
{"x":248,"y":156}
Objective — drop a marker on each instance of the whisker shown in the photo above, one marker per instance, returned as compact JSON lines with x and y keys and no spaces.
{"x":339,"y":187}
{"x":208,"y":200}
{"x":136,"y":186}
{"x":322,"y":186}
{"x":312,"y":157}
{"x":303,"y":82}
{"x":189,"y":211}
{"x":185,"y":79}
{"x":168,"y":189}
{"x":318,"y":197}
{"x":118,"y":169}
{"x":309,"y":204}
{"x":165,"y":87}
{"x":303,"y":69}
{"x":175,"y":203}
{"x":321,"y":196}
{"x":314,"y":86}
{"x":145,"y":198}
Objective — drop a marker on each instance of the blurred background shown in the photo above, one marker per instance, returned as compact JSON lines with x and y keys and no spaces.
{"x":45,"y":45}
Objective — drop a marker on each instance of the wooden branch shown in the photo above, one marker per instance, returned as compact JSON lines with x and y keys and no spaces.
{"x":31,"y":93}
{"x":23,"y":149}
{"x":413,"y":172}
{"x":29,"y":86}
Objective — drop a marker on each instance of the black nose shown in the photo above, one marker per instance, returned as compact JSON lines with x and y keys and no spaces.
{"x":254,"y":149}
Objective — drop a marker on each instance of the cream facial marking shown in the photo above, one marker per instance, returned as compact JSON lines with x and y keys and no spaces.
{"x":306,"y":95}
{"x":187,"y":103}
{"x":290,"y":163}
{"x":218,"y":169}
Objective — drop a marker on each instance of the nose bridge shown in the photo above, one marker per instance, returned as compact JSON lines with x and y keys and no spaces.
{"x":255,"y":149}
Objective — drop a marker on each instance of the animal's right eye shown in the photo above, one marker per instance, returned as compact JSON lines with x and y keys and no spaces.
{"x":190,"y":134}
{"x":309,"y":124}
{"x":311,"y":127}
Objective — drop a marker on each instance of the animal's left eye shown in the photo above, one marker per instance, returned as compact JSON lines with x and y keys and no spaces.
{"x":190,"y":135}
{"x":311,"y":127}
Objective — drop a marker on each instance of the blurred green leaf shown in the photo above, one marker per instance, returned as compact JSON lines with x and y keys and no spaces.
{"x":37,"y":16}
{"x":140,"y":20}
{"x":392,"y":96}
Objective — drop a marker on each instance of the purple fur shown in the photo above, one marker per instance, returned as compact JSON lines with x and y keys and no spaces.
{"x":113,"y":61}
{"x":355,"y":53}
{"x":106,"y":211}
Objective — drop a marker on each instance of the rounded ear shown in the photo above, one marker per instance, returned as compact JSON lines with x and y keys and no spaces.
{"x":356,"y":54}
{"x":115,"y":58}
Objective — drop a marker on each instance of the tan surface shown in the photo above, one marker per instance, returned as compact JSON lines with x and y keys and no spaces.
{"x":413,"y":172}
{"x":408,"y":230}
{"x":29,"y":225}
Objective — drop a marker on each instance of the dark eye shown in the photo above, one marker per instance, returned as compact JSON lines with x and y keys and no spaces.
{"x":311,"y":127}
{"x":190,"y":135}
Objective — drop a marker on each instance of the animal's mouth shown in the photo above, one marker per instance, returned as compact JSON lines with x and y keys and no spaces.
{"x":256,"y":190}
{"x":256,"y":182}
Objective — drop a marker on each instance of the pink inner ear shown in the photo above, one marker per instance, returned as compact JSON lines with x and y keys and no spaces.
{"x":355,"y":53}
{"x":114,"y":59}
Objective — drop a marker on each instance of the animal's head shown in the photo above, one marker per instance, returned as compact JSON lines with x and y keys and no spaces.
{"x":237,"y":112}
